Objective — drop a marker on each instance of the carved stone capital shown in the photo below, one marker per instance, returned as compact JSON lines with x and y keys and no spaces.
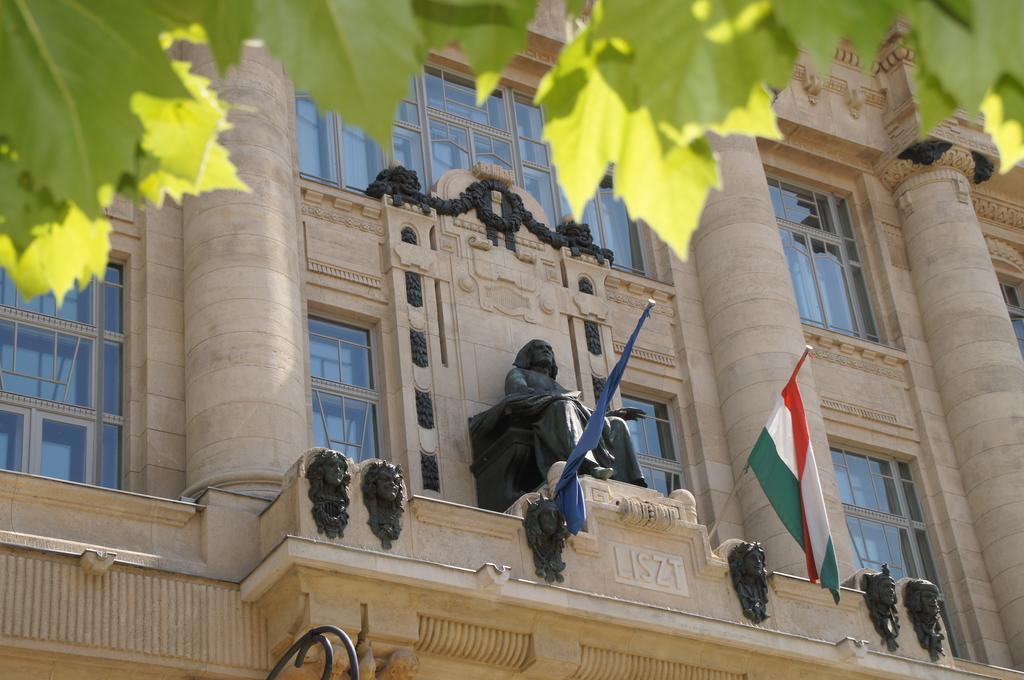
{"x":929,"y":155}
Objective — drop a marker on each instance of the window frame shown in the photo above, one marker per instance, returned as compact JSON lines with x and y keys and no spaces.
{"x":369,"y":395}
{"x":427,"y":114}
{"x":925,"y":567}
{"x":35,"y":409}
{"x":654,"y":463}
{"x":1015,"y":311}
{"x":845,"y":243}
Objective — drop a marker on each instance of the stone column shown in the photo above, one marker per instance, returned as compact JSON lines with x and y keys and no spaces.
{"x":245,"y":375}
{"x":756,"y":339}
{"x":976,"y":360}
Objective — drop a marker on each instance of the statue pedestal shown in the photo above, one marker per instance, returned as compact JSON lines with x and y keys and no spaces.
{"x":504,"y":469}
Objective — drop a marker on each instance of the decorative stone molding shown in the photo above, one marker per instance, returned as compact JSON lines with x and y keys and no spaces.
{"x":128,"y":612}
{"x":641,"y":513}
{"x":1005,"y":252}
{"x":606,"y":664}
{"x":473,"y":642}
{"x":646,"y":354}
{"x":897,"y":248}
{"x":344,"y":274}
{"x":917,"y":158}
{"x":995,"y":210}
{"x":866,"y":367}
{"x":335,"y":217}
{"x":856,"y":97}
{"x":861,"y":411}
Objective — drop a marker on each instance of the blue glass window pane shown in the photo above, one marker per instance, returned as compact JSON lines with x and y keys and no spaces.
{"x":6,"y":347}
{"x":842,"y":477}
{"x":355,"y":422}
{"x":538,"y":184}
{"x":363,"y":158}
{"x":339,"y":331}
{"x":112,"y":309}
{"x":8,"y":291}
{"x":319,"y":422}
{"x":776,"y":195}
{"x":490,"y":150}
{"x":833,"y":286}
{"x":324,"y":361}
{"x":112,"y":378}
{"x":333,"y":420}
{"x":80,"y":387}
{"x":316,"y":141}
{"x":67,"y":349}
{"x":406,"y":149}
{"x":529,"y":121}
{"x":860,"y":481}
{"x":113,"y":274}
{"x":110,"y":457}
{"x":12,"y":429}
{"x":77,"y":305}
{"x":63,"y":450}
{"x":435,"y":91}
{"x":370,"y":438}
{"x":799,"y":261}
{"x":41,"y":304}
{"x":35,"y":355}
{"x":449,"y":149}
{"x":620,"y":232}
{"x":355,"y":366}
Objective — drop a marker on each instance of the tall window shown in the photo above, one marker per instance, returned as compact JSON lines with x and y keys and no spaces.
{"x":345,"y":396}
{"x":1013,"y":298}
{"x":884,"y":517}
{"x":439,"y":128}
{"x":653,"y":441}
{"x":828,"y":277}
{"x":60,"y":382}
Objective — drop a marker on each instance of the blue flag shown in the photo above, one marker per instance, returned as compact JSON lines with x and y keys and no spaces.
{"x":569,"y":492}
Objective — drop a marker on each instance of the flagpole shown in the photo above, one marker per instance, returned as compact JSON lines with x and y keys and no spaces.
{"x":739,"y":480}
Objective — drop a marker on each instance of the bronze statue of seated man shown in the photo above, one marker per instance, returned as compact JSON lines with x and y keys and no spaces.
{"x":556,"y":417}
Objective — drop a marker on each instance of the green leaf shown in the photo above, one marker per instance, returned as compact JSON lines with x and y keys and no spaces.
{"x":23,"y":205}
{"x":69,"y":69}
{"x":353,"y":57}
{"x":819,"y":25}
{"x":694,"y":65}
{"x":225,"y":23}
{"x":75,"y":248}
{"x":489,"y":33}
{"x":181,"y":139}
{"x":590,"y":124}
{"x":1004,"y":112}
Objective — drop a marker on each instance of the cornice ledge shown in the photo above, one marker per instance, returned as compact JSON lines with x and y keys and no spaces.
{"x":931,"y":155}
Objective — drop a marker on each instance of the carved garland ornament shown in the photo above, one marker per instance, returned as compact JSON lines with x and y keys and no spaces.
{"x":403,"y":185}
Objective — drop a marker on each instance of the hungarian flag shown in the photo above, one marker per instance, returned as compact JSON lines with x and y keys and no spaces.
{"x":783,"y":462}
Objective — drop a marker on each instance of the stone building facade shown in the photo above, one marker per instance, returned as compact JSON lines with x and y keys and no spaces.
{"x":174,"y":532}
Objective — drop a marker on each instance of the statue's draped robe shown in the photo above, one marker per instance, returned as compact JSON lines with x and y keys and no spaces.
{"x":557,"y":418}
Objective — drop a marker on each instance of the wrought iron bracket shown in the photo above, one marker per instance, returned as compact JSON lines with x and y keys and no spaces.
{"x":318,"y":636}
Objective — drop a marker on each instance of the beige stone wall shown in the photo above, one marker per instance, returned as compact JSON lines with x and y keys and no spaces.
{"x":217,"y":394}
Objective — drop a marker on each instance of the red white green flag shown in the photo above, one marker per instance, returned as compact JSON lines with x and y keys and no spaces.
{"x":783,"y":462}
